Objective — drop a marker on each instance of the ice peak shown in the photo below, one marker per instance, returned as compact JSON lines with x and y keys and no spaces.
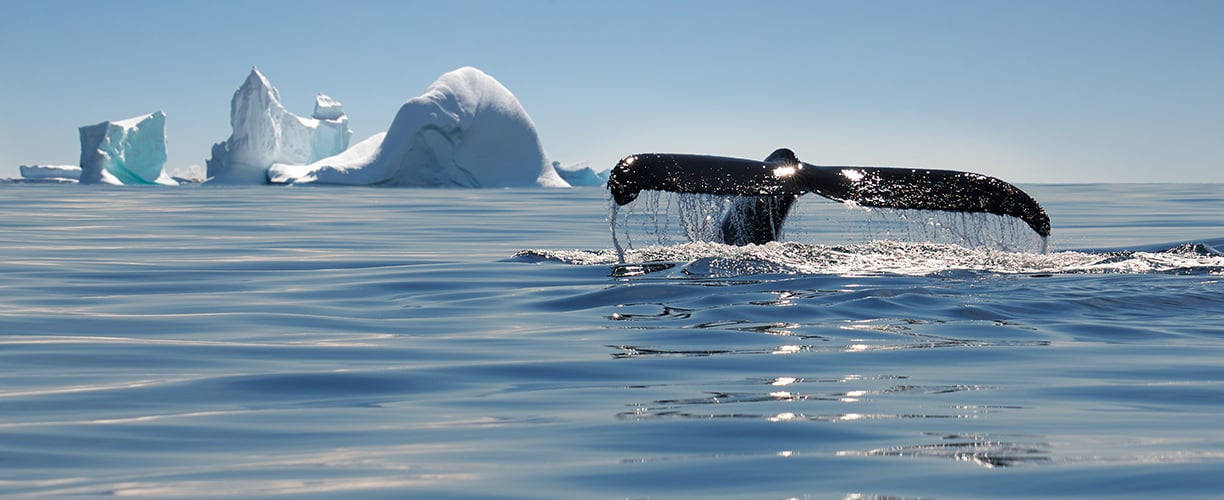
{"x":257,"y":82}
{"x":264,"y":132}
{"x":327,"y":108}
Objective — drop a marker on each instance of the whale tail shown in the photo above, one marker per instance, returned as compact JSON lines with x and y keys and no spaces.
{"x":756,"y":219}
{"x":771,"y":187}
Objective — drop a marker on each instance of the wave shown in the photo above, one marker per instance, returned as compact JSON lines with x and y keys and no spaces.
{"x":714,"y":260}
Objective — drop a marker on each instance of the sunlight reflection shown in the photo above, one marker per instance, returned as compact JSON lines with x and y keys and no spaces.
{"x":789,"y":349}
{"x":852,"y":396}
{"x":89,"y":388}
{"x":780,"y":381}
{"x":128,"y":420}
{"x":255,"y":487}
{"x":361,"y":340}
{"x":972,"y":448}
{"x":854,"y":175}
{"x":784,"y":298}
{"x":351,"y":473}
{"x":782,"y":172}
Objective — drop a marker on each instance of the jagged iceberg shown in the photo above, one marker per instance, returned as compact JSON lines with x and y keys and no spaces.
{"x":466,"y":130}
{"x":327,"y":108}
{"x":264,"y":132}
{"x":50,"y":173}
{"x":125,"y":152}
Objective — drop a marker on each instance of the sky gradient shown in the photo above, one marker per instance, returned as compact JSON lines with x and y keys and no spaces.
{"x":1031,"y":92}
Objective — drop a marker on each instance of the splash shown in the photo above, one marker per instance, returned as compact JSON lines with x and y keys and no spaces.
{"x":882,"y":257}
{"x":663,"y":219}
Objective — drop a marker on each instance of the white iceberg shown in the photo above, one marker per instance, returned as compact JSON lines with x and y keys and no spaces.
{"x":190,"y":174}
{"x":125,"y":152}
{"x":327,"y":108}
{"x":466,"y":130}
{"x":264,"y":132}
{"x":581,"y":174}
{"x":50,"y":173}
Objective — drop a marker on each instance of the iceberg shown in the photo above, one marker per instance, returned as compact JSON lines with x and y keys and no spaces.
{"x":125,"y":152}
{"x":327,"y":108}
{"x":264,"y":132}
{"x":466,"y":130}
{"x":50,"y":173}
{"x":581,"y":174}
{"x":190,"y":174}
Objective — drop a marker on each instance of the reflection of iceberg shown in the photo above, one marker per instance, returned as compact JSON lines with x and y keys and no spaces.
{"x":266,"y":133}
{"x":50,"y":173}
{"x":466,"y":130}
{"x":131,"y":151}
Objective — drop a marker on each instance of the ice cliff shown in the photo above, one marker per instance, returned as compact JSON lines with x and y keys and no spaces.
{"x":131,"y":151}
{"x":466,"y":130}
{"x":264,"y":132}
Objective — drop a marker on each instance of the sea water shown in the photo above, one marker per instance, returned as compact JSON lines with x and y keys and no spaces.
{"x":362,"y":342}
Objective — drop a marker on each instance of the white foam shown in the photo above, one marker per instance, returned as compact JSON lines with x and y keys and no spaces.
{"x":705,"y":259}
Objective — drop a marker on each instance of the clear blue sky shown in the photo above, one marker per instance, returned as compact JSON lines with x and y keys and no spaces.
{"x":1030,"y":91}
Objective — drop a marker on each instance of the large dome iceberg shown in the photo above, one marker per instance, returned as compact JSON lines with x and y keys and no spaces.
{"x":466,"y":130}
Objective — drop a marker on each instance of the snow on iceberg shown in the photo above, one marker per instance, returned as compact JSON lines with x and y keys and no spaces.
{"x":125,"y":152}
{"x":50,"y":173}
{"x":264,"y":132}
{"x":327,"y":108}
{"x":466,"y":130}
{"x":581,"y":174}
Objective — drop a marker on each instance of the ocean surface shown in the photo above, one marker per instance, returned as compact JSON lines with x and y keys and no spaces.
{"x":344,"y":342}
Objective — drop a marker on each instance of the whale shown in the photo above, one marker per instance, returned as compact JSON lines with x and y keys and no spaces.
{"x":767,"y":189}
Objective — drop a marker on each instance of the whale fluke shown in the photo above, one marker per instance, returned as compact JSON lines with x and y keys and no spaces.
{"x":777,"y":181}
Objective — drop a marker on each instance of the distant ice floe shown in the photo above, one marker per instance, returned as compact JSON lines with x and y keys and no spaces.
{"x":466,"y":130}
{"x":189,"y":174}
{"x":264,"y":133}
{"x":50,"y":173}
{"x":125,"y":152}
{"x":581,"y":174}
